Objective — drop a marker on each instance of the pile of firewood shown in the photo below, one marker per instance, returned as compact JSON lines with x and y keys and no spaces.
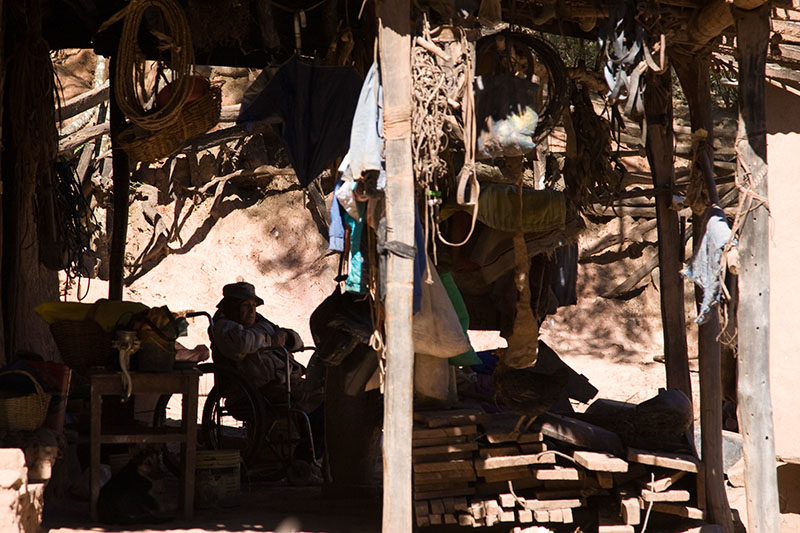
{"x":473,"y":469}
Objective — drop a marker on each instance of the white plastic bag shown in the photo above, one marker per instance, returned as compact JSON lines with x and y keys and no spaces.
{"x":437,"y":330}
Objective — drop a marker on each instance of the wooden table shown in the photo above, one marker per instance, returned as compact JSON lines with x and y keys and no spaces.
{"x":181,"y":382}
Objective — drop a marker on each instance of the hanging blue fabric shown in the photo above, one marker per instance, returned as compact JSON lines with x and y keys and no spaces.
{"x":355,"y":278}
{"x":336,"y":227}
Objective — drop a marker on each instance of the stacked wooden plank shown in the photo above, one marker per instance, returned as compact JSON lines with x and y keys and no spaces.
{"x":673,"y":484}
{"x":475,"y":470}
{"x":443,"y":448}
{"x":511,"y":477}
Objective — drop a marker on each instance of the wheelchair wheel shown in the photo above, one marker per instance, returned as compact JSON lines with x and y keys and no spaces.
{"x":234,"y":415}
{"x":236,"y":421}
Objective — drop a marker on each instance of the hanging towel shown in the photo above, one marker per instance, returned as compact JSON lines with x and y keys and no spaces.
{"x":366,"y":137}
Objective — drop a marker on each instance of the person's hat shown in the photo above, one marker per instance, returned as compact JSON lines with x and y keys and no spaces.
{"x":241,"y":290}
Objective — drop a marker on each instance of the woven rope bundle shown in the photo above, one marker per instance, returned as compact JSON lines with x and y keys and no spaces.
{"x":129,"y":78}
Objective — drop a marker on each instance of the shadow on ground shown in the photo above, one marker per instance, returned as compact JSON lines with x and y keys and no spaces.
{"x":260,"y":508}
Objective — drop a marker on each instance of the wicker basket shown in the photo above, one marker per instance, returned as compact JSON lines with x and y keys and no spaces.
{"x":196,"y":118}
{"x":25,"y":412}
{"x":82,"y":343}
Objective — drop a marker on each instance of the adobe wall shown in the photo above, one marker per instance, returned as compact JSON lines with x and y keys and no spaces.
{"x":783,"y":153}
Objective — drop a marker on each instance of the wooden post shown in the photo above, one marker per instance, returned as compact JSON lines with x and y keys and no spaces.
{"x":11,"y":197}
{"x":755,"y":404}
{"x":3,"y":359}
{"x":122,"y":183}
{"x":694,"y":76}
{"x":395,"y":63}
{"x":710,"y":362}
{"x":658,"y":111}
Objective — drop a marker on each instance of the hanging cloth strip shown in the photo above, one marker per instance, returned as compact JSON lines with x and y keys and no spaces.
{"x":524,"y":340}
{"x":313,"y":107}
{"x":706,"y":267}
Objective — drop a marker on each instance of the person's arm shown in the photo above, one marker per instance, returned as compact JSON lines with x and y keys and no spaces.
{"x":293,"y":340}
{"x":274,"y":336}
{"x":235,"y":341}
{"x":287,"y":338}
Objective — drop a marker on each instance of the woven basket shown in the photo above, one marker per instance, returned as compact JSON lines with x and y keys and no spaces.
{"x":196,"y":118}
{"x":26,"y":412}
{"x":82,"y":343}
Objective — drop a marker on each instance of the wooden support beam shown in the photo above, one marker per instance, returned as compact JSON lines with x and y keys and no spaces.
{"x":3,"y":310}
{"x":755,"y":404}
{"x":693,"y":73}
{"x":69,"y":143}
{"x":82,"y":102}
{"x":395,"y":62}
{"x":121,"y":191}
{"x":229,"y":113}
{"x":658,"y":112}
{"x":709,"y":22}
{"x":710,"y":362}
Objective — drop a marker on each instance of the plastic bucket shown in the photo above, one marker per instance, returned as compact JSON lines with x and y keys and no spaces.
{"x":217,"y":478}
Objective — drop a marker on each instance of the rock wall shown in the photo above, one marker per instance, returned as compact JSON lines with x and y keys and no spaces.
{"x":21,"y":500}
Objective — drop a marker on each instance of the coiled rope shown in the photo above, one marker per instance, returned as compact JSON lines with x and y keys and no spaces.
{"x":130,"y":74}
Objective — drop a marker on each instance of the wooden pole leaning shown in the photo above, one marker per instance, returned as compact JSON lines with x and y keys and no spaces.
{"x":693,"y":72}
{"x":755,"y":404}
{"x":121,"y":188}
{"x":395,"y":62}
{"x":659,"y":146}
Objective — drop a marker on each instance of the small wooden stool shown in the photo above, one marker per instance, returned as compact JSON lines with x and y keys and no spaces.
{"x":110,"y":384}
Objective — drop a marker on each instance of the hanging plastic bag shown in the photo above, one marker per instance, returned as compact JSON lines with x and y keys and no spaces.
{"x":469,"y":357}
{"x":505,"y":108}
{"x":437,"y":330}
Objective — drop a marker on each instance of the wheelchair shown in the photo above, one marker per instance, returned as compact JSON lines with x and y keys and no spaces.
{"x":235,"y":415}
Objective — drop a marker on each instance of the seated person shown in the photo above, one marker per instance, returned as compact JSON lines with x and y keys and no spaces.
{"x":247,"y":341}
